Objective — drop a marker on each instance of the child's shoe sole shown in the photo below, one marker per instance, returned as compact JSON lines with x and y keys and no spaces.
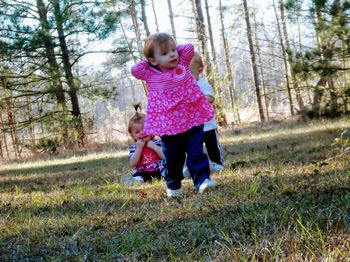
{"x":207,"y":184}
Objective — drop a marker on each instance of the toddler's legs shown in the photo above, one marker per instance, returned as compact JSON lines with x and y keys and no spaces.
{"x":197,"y":161}
{"x":214,"y":149}
{"x":173,"y":160}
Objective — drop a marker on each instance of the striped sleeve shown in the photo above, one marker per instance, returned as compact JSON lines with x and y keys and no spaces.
{"x":186,"y":53}
{"x":158,"y":142}
{"x":132,"y":149}
{"x":141,"y":70}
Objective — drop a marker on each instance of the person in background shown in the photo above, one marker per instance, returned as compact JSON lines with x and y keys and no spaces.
{"x":176,"y":111}
{"x":145,"y":155}
{"x":211,"y":135}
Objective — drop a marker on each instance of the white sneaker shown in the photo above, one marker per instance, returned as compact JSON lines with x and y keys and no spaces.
{"x":208,"y":183}
{"x":214,"y":167}
{"x":138,"y":178}
{"x":174,"y":192}
{"x":185,"y":172}
{"x":130,"y":180}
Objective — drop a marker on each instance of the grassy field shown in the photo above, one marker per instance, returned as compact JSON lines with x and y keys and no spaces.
{"x":284,"y":196}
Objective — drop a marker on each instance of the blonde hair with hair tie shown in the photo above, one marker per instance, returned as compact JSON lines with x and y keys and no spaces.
{"x":137,"y":118}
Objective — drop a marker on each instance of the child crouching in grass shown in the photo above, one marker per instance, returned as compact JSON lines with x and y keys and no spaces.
{"x":145,"y":155}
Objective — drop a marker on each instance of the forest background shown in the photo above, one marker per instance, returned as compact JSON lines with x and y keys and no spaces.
{"x":64,"y":64}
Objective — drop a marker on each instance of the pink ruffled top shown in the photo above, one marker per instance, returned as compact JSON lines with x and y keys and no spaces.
{"x":175,"y":102}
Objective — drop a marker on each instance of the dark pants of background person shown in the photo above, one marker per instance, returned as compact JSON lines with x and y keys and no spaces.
{"x":148,"y":176}
{"x":175,"y":148}
{"x":214,"y":149}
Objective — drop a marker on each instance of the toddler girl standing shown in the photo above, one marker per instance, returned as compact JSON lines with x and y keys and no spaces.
{"x":176,"y":110}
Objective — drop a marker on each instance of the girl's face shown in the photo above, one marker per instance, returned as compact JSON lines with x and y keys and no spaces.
{"x":137,"y":133}
{"x":165,"y":57}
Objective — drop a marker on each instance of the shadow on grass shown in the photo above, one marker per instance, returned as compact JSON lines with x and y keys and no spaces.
{"x":107,"y":162}
{"x":240,"y":215}
{"x":45,"y":178}
{"x":238,"y":220}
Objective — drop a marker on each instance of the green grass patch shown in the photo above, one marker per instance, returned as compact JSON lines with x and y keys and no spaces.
{"x":284,"y":196}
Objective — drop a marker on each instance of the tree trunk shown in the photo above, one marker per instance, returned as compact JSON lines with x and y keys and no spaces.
{"x":144,"y":17}
{"x":325,"y":78}
{"x":11,"y":122}
{"x":262,"y":79}
{"x":136,"y":28}
{"x":331,"y":86}
{"x":155,"y":16}
{"x":31,"y":123}
{"x":1,"y":153}
{"x":228,"y":68}
{"x":253,"y":60}
{"x":171,"y":16}
{"x":201,"y":33}
{"x":2,"y":127}
{"x":302,"y":59}
{"x":3,"y":137}
{"x":73,"y":89}
{"x":211,"y":38}
{"x":284,"y":60}
{"x":296,"y":88}
{"x":138,"y":40}
{"x":318,"y":94}
{"x":212,"y":72}
{"x":261,"y":69}
{"x":53,"y":69}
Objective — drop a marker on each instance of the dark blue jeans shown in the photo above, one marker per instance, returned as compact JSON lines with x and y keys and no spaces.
{"x":175,"y":148}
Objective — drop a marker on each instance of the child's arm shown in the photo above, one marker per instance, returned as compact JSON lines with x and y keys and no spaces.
{"x":141,"y":70}
{"x":207,"y":89}
{"x":136,"y":156}
{"x":186,"y":53}
{"x":150,"y":144}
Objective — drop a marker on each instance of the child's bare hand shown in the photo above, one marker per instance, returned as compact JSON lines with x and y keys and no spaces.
{"x":140,"y":143}
{"x":151,"y":144}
